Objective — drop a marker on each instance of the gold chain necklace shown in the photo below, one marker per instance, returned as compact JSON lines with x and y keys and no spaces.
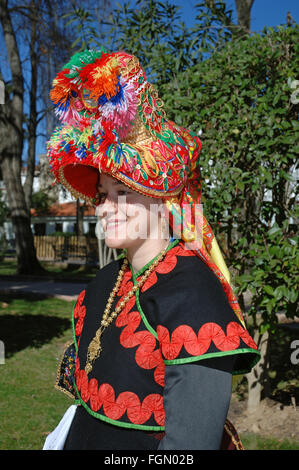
{"x":94,"y":348}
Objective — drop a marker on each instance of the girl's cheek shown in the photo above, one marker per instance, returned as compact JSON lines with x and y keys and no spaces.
{"x":98,"y":211}
{"x":123,"y":207}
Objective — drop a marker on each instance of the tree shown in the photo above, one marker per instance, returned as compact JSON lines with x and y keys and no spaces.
{"x":241,"y":100}
{"x":3,"y":215}
{"x":79,"y":218}
{"x":32,"y":26}
{"x":11,"y":147}
{"x":223,"y":16}
{"x":155,"y":32}
{"x":151,"y":30}
{"x":41,"y":202}
{"x":243,"y":10}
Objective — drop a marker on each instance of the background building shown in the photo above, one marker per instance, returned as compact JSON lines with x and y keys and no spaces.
{"x":60,"y":216}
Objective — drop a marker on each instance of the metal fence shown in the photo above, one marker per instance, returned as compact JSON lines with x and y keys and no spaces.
{"x":82,"y":249}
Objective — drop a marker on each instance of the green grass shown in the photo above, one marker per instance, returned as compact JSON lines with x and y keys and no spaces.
{"x":34,"y":333}
{"x":256,"y":442}
{"x":8,"y":267}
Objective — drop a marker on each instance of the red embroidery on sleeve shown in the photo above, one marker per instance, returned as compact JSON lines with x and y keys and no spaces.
{"x":196,"y":345}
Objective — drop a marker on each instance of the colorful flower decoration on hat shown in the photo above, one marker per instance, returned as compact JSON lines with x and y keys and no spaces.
{"x":87,"y":147}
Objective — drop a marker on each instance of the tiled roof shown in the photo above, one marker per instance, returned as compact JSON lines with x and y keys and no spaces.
{"x":68,"y":209}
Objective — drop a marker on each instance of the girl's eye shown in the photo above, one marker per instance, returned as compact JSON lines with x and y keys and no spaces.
{"x":101,"y":197}
{"x":123,"y":192}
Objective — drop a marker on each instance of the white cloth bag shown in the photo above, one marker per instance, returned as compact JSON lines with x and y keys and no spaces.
{"x":57,"y":438}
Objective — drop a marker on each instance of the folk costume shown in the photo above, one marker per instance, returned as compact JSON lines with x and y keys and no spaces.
{"x":153,"y":352}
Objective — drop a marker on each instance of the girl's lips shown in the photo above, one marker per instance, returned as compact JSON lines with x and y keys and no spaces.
{"x":114,"y":223}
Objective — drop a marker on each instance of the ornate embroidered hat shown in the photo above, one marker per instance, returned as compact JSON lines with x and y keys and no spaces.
{"x":114,"y":121}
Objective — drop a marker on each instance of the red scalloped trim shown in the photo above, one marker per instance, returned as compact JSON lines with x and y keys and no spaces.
{"x":79,"y":312}
{"x":198,"y":344}
{"x":167,"y":265}
{"x":126,"y":283}
{"x":127,"y":402}
{"x":146,"y":355}
{"x":164,"y":267}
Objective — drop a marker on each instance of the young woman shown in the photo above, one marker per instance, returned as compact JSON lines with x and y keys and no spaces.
{"x":158,"y":333}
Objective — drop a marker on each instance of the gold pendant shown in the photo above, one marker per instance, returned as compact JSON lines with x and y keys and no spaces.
{"x":94,"y":351}
{"x":94,"y":348}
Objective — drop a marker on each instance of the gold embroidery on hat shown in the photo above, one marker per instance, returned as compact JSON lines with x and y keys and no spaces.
{"x":132,"y":65}
{"x":138,"y":134}
{"x":146,"y":191}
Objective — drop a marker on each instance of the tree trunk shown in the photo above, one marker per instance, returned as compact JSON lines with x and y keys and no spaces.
{"x":28,"y":185}
{"x":243,"y":8}
{"x":80,"y":214}
{"x":256,"y":377}
{"x":26,"y":256}
{"x":11,"y":147}
{"x":243,"y":11}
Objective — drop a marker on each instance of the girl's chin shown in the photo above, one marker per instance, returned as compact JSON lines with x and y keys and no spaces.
{"x":121,"y":242}
{"x":115,"y":242}
{"x":115,"y":235}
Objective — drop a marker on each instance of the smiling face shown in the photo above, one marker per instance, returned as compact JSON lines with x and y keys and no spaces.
{"x":127,"y":217}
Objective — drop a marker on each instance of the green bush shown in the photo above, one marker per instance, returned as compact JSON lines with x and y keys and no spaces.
{"x":241,"y":99}
{"x":244,"y":102}
{"x":63,"y":234}
{"x":41,"y":202}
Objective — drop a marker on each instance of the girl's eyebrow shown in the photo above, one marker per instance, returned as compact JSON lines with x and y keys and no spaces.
{"x":115,"y":183}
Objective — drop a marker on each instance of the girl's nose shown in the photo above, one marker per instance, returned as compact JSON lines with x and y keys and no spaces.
{"x":106,"y":207}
